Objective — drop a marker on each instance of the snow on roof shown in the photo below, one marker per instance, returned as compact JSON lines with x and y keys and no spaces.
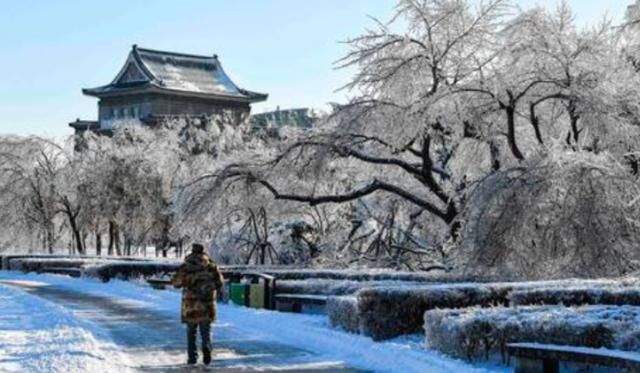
{"x":147,"y":69}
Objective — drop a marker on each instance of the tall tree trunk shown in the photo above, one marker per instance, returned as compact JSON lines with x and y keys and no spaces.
{"x":49,"y":238}
{"x":535,"y":122}
{"x":574,"y":117}
{"x":511,"y":132}
{"x":72,"y":215}
{"x":76,"y":234}
{"x":111,"y":238}
{"x":98,"y":243}
{"x":494,"y":150}
{"x":116,"y":239}
{"x":118,"y":243}
{"x":84,"y":240}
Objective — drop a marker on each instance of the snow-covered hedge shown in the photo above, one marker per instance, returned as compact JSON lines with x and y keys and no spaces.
{"x":389,"y":312}
{"x":36,"y":265}
{"x":343,"y":313}
{"x":363,"y":275}
{"x":335,"y":287}
{"x":8,"y":258}
{"x":128,"y":270}
{"x":482,"y":332}
{"x":319,"y":286}
{"x":577,"y":296}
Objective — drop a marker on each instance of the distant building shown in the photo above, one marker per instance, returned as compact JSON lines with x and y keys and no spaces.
{"x":155,"y":84}
{"x":274,"y":120}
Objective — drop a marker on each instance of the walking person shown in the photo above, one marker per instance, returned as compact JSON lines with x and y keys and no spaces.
{"x":200,"y":278}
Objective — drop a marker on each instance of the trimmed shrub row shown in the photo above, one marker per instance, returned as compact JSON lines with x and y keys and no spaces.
{"x":335,"y":287}
{"x":129,"y":270}
{"x":385,"y":313}
{"x":36,"y":265}
{"x":363,"y":275}
{"x":481,"y":332}
{"x":320,"y":287}
{"x":343,"y":313}
{"x":577,"y":296}
{"x":29,"y":263}
{"x":8,"y":258}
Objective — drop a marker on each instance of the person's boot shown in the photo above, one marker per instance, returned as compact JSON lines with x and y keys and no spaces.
{"x":206,"y":357}
{"x":193,"y":359}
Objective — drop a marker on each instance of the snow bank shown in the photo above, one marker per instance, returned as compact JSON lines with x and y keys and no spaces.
{"x":481,"y":332}
{"x":38,"y":336}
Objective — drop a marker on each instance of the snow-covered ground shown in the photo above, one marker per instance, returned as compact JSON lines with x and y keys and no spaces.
{"x":37,"y":335}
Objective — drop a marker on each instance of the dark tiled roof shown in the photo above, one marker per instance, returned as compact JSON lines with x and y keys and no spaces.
{"x":151,"y":70}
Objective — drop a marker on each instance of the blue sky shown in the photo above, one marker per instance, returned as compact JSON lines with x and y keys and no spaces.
{"x":50,"y":50}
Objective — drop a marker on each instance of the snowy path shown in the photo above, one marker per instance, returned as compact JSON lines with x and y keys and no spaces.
{"x":155,"y":339}
{"x":143,"y":326}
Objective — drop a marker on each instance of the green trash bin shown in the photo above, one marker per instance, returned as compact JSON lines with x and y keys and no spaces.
{"x":256,"y":296}
{"x":240,"y":294}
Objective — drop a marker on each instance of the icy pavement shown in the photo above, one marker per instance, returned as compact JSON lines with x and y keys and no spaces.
{"x":138,"y":328}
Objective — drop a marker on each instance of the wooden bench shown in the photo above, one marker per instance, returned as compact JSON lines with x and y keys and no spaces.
{"x":543,"y":358}
{"x":69,"y":271}
{"x":300,"y":302}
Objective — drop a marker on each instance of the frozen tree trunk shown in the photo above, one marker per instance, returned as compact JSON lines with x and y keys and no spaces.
{"x":117,"y":240}
{"x":76,"y":234}
{"x":73,"y":224}
{"x":98,"y":243}
{"x":49,"y":237}
{"x":111,"y":238}
{"x":84,"y":240}
{"x":127,"y":246}
{"x":511,"y":132}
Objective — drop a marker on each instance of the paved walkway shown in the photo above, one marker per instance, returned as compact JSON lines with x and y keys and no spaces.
{"x":155,"y":341}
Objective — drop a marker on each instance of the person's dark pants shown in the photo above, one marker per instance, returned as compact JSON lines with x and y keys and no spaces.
{"x":205,"y":335}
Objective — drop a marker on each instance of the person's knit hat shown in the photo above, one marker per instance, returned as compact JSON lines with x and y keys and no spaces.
{"x":197,"y":248}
